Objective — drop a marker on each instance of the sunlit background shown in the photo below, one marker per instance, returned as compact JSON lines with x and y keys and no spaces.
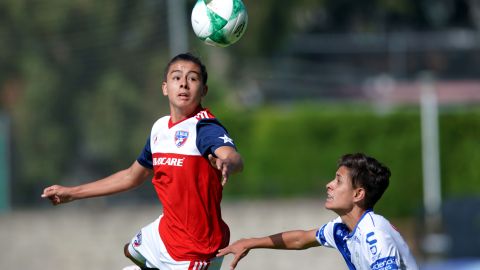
{"x":310,"y":80}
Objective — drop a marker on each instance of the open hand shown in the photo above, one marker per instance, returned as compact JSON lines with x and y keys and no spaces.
{"x":238,"y":249}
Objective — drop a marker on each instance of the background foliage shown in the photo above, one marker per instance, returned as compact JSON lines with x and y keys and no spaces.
{"x":293,"y":152}
{"x":80,"y":82}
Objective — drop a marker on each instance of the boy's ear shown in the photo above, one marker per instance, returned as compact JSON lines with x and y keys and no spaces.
{"x":164,"y":89}
{"x":359,"y":194}
{"x":205,"y":90}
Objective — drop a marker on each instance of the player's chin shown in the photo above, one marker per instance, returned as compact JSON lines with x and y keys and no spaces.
{"x":329,"y":205}
{"x":186,"y":103}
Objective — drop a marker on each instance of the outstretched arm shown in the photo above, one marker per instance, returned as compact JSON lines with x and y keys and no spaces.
{"x":285,"y":240}
{"x":123,"y":180}
{"x":228,"y":161}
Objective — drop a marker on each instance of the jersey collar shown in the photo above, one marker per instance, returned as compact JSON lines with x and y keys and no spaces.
{"x":197,"y":110}
{"x":360,"y":220}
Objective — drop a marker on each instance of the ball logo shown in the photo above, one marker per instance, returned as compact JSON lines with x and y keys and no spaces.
{"x":239,"y":30}
{"x":180,"y":138}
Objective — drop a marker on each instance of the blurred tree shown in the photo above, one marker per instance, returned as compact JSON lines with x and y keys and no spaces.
{"x":81,"y":78}
{"x":87,"y":70}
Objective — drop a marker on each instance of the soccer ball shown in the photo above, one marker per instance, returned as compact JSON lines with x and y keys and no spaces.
{"x":219,"y":22}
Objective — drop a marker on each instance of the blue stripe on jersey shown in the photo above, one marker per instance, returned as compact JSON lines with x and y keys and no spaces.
{"x":340,"y":234}
{"x":321,"y":235}
{"x":145,"y":157}
{"x":210,"y":136}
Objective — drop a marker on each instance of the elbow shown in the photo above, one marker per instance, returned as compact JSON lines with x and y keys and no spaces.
{"x":299,"y":246}
{"x":303,"y":240}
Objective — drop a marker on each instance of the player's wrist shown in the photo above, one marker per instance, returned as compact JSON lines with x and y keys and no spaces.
{"x":76,"y":193}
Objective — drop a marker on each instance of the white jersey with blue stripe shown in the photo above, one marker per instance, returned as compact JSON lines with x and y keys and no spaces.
{"x":374,"y":244}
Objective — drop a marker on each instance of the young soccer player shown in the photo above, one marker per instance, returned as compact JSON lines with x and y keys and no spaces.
{"x":191,"y":156}
{"x":366,"y":240}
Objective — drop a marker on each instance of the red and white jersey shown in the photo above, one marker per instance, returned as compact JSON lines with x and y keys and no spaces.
{"x":188,"y":187}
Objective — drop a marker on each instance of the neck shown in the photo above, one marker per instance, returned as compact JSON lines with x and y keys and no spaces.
{"x":352,"y":218}
{"x":177,"y":115}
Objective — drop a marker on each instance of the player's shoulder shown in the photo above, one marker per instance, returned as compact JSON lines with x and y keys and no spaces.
{"x":375,"y":222}
{"x":205,"y":118}
{"x":373,"y":219}
{"x":333,"y":224}
{"x":162,"y":120}
{"x":204,"y":114}
{"x":335,"y":227}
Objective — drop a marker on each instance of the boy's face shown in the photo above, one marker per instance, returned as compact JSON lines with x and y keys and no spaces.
{"x":184,"y":85}
{"x":340,"y":193}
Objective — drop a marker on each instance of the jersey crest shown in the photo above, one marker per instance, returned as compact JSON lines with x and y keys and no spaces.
{"x":138,"y":239}
{"x":181,"y":137}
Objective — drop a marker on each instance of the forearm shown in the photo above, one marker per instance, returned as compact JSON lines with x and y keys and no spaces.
{"x":115,"y":183}
{"x":285,"y":240}
{"x":298,"y":239}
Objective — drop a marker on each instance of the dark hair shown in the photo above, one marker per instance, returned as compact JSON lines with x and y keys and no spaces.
{"x":368,"y":173}
{"x":191,"y":58}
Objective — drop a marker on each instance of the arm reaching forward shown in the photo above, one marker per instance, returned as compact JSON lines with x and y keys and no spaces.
{"x":228,"y":161}
{"x":123,"y":180}
{"x":285,"y":240}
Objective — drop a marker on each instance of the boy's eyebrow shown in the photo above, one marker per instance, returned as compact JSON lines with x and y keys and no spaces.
{"x":175,"y":70}
{"x":191,"y":71}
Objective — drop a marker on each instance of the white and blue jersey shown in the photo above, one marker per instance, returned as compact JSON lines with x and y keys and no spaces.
{"x":374,"y":244}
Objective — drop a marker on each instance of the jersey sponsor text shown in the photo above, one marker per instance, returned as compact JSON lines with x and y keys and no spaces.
{"x":178,"y":162}
{"x":387,"y":263}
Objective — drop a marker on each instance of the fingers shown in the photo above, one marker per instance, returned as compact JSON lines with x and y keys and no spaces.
{"x":216,"y":162}
{"x":221,"y":165}
{"x":49,"y":191}
{"x":224,"y":174}
{"x":55,"y":200}
{"x":213,"y":160}
{"x":234,"y":262}
{"x":223,"y":252}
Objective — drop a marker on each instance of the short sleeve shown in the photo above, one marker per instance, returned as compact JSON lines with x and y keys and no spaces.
{"x":327,"y":233}
{"x":212,"y":135}
{"x":145,"y":157}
